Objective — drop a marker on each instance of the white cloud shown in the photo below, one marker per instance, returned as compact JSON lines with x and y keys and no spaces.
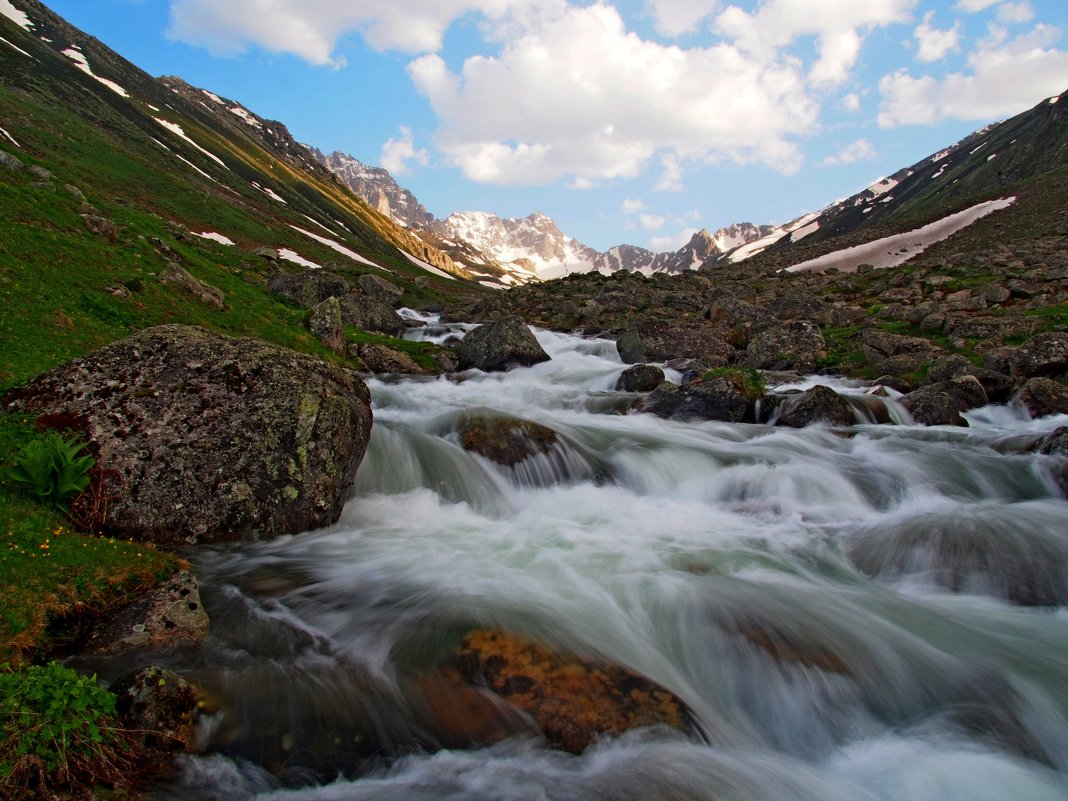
{"x":851,"y":102}
{"x":837,"y":23}
{"x":575,"y":95}
{"x":1016,"y":13}
{"x":668,"y":244}
{"x":934,"y":44}
{"x":860,"y":150}
{"x":1006,"y":77}
{"x":677,"y":17}
{"x":670,"y":176}
{"x":310,"y":29}
{"x":652,"y":222}
{"x":397,"y":153}
{"x":632,"y":206}
{"x":974,"y":6}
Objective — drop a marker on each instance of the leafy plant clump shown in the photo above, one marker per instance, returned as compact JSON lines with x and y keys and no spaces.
{"x":57,"y":733}
{"x":52,"y":469}
{"x":751,"y":381}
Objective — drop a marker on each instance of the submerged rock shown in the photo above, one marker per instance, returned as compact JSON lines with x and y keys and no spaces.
{"x":210,"y":438}
{"x":574,"y":701}
{"x":506,"y":441}
{"x":497,"y":346}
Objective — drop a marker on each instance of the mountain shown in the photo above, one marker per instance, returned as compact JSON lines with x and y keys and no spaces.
{"x":999,"y":161}
{"x":516,"y":251}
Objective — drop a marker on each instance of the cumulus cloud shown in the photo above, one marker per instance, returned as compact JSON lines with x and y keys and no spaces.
{"x":632,"y":206}
{"x":677,"y":17}
{"x":838,"y":24}
{"x":577,"y":95}
{"x":397,"y":153}
{"x":1006,"y":76}
{"x":1016,"y":13}
{"x":934,"y":44}
{"x":652,"y":222}
{"x":860,"y":150}
{"x":851,"y":102}
{"x":310,"y":29}
{"x":975,"y":6}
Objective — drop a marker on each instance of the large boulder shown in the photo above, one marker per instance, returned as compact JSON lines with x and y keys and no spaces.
{"x":941,"y":404}
{"x":384,"y":359}
{"x":640,"y":378}
{"x":499,"y":345}
{"x":574,"y":701}
{"x":723,"y":398}
{"x":895,"y":354}
{"x":325,"y":322}
{"x":664,"y":341}
{"x":631,"y":349}
{"x":205,"y":438}
{"x":160,"y":706}
{"x":997,"y":386}
{"x":506,"y":440}
{"x":818,"y":405}
{"x":797,"y":345}
{"x":369,"y":314}
{"x":380,"y":289}
{"x":193,"y":286}
{"x":1043,"y":355}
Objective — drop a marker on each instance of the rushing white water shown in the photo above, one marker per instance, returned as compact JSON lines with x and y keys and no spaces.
{"x":915,"y":580}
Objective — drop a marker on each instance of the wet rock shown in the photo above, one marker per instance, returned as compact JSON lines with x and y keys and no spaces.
{"x":380,"y":289}
{"x":326,"y":324}
{"x":1055,"y":443}
{"x":997,"y":386}
{"x":640,"y":378}
{"x":1043,"y":355}
{"x":369,"y":314}
{"x":172,"y":614}
{"x":723,"y":398}
{"x":574,"y":701}
{"x":631,"y":349}
{"x":786,"y":647}
{"x":447,"y":360}
{"x":211,"y":438}
{"x":160,"y":706}
{"x":384,"y":359}
{"x":497,"y":346}
{"x":796,"y":345}
{"x":941,"y":404}
{"x":505,"y":440}
{"x":817,"y":405}
{"x":309,"y":288}
{"x":101,"y":226}
{"x":1042,"y":397}
{"x":205,"y":293}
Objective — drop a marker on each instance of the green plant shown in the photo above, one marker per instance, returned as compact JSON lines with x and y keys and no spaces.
{"x":57,"y":731}
{"x":751,"y":381}
{"x":52,"y":469}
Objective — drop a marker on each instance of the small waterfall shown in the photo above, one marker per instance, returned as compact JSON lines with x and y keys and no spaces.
{"x":876,"y":616}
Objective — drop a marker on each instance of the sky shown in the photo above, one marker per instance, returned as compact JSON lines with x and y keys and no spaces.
{"x":637,"y":121}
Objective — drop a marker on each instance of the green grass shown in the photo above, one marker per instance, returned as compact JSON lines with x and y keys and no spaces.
{"x":752,"y":381}
{"x":420,"y":352}
{"x":51,"y":574}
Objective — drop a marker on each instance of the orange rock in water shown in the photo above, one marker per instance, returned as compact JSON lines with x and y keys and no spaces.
{"x":573,"y":701}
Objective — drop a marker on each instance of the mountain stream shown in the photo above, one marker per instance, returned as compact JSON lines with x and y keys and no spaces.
{"x":914,"y":578}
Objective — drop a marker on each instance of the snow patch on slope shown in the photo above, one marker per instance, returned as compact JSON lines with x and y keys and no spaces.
{"x":82,"y":63}
{"x":330,"y":243}
{"x":16,"y":47}
{"x":894,"y":250}
{"x":296,"y":258}
{"x":270,"y":193}
{"x":244,"y":115}
{"x":220,"y":238}
{"x":10,"y":138}
{"x":428,"y":267}
{"x":13,"y":14}
{"x":177,"y":130}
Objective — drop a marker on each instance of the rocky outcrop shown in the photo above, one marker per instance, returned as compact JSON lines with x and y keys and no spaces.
{"x":1043,"y":355}
{"x":797,"y":345}
{"x":1042,"y":397}
{"x":210,"y":438}
{"x":193,"y":286}
{"x":172,"y":614}
{"x":309,"y":288}
{"x":101,"y":226}
{"x":497,"y":346}
{"x":723,"y":398}
{"x":504,"y":440}
{"x":895,"y":354}
{"x":574,"y":701}
{"x":369,"y":314}
{"x":941,"y":404}
{"x":817,"y":405}
{"x":640,"y":378}
{"x":630,"y":348}
{"x":160,"y":706}
{"x":325,"y":322}
{"x":662,"y":342}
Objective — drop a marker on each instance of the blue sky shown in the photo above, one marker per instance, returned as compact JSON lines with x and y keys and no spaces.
{"x":633,"y":121}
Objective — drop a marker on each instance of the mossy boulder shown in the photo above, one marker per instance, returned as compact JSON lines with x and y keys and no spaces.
{"x":506,"y":440}
{"x":205,"y":438}
{"x":640,"y":378}
{"x":500,"y":345}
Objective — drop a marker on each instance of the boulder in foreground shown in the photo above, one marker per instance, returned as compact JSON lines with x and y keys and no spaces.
{"x":204,"y":438}
{"x":497,"y":346}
